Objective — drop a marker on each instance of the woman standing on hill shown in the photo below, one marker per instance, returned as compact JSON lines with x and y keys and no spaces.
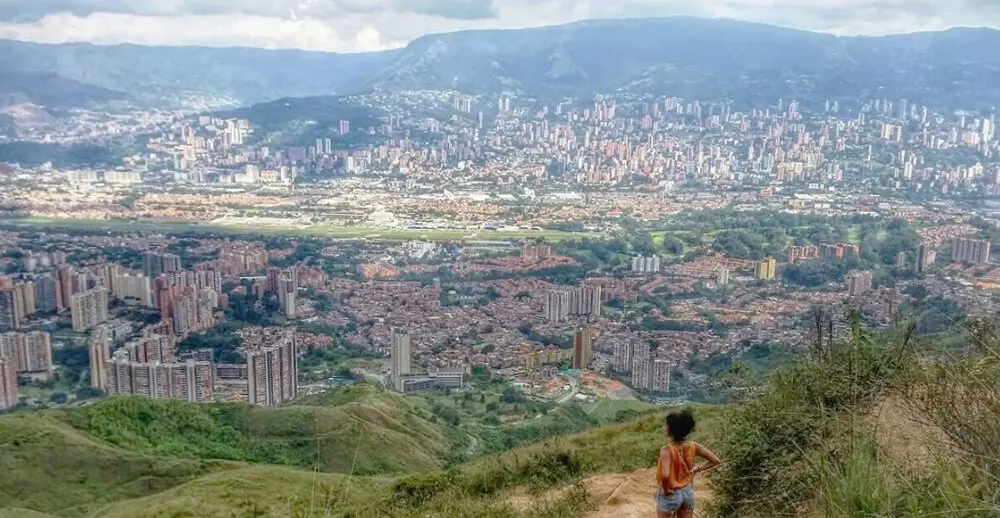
{"x":676,"y":467}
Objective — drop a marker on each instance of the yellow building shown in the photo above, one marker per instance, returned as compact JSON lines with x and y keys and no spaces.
{"x":551,"y":356}
{"x":766,"y":269}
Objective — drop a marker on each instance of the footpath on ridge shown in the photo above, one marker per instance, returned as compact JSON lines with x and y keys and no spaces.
{"x":619,"y":495}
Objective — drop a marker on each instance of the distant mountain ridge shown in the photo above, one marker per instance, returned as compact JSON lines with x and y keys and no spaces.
{"x":52,"y":90}
{"x":169,"y":75}
{"x":701,"y":58}
{"x":686,"y":57}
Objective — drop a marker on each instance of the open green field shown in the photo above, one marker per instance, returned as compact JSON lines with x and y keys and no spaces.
{"x":605,"y":410}
{"x":268,"y":228}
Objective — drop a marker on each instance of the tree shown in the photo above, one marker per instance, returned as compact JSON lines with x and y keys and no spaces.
{"x":672,"y":245}
{"x":511,"y":395}
{"x":272,"y":304}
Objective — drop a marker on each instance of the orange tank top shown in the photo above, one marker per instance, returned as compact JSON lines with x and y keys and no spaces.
{"x":682,"y":459}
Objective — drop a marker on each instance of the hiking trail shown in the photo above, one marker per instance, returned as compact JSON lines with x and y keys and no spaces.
{"x":618,"y":495}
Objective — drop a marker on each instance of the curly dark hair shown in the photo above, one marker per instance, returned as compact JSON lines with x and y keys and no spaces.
{"x":680,"y":424}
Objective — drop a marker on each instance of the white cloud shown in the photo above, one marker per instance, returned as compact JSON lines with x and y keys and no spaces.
{"x":361,"y":25}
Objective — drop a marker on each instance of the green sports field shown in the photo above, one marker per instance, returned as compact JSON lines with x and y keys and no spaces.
{"x":269,"y":228}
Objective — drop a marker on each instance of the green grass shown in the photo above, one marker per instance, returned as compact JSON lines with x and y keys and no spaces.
{"x":478,"y":488}
{"x":370,"y":433}
{"x":267,"y":229}
{"x":854,"y":234}
{"x":259,"y":492}
{"x":50,"y":467}
{"x":614,"y":448}
{"x":606,"y":410}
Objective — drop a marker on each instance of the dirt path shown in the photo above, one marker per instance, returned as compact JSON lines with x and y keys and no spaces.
{"x":618,"y":495}
{"x":631,"y":495}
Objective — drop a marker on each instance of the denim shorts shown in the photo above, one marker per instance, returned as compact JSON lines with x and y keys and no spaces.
{"x":674,"y":501}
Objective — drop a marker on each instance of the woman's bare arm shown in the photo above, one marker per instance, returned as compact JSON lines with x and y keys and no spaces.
{"x":705,"y":453}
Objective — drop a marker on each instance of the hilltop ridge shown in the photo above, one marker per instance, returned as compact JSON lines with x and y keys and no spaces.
{"x":682,"y":56}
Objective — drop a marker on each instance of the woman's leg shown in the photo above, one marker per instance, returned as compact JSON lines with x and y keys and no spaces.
{"x":683,"y":512}
{"x":663,"y":514}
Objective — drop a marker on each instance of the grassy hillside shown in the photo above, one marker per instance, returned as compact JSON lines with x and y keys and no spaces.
{"x":256,"y":491}
{"x":367,"y":430}
{"x":870,"y":427}
{"x":129,"y":457}
{"x":479,"y":488}
{"x":48,"y":466}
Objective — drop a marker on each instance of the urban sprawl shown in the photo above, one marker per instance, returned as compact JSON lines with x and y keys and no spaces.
{"x":629,"y":239}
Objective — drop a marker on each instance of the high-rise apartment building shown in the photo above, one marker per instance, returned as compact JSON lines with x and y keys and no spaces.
{"x":31,"y":353}
{"x":117,"y":377}
{"x":648,"y":372}
{"x":288,"y":289}
{"x":641,"y":264}
{"x":586,"y":300}
{"x":25,"y":298}
{"x":272,"y":371}
{"x":99,"y":352}
{"x":138,"y":288}
{"x":154,"y":264}
{"x":972,"y":251}
{"x":582,"y":348}
{"x":642,"y":368}
{"x":8,"y":385}
{"x":859,"y":283}
{"x":10,"y":316}
{"x":901,"y":260}
{"x":921,"y":258}
{"x":582,"y":301}
{"x":797,"y":253}
{"x":66,"y":285}
{"x":765,"y":269}
{"x":623,"y":356}
{"x":400,"y":358}
{"x":89,"y":308}
{"x":47,"y":293}
{"x":660,"y":376}
{"x":722,"y":276}
{"x":190,"y":380}
{"x":152,"y":348}
{"x":557,"y":304}
{"x":536,"y":252}
{"x":273,"y":278}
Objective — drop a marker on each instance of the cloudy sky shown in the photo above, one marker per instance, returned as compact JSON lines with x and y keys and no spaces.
{"x":361,"y":25}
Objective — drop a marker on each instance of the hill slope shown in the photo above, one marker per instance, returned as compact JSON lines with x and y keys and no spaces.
{"x":367,"y":434}
{"x":527,"y":481}
{"x":166,"y":75}
{"x":51,"y":90}
{"x":703,"y":59}
{"x":688,"y":57}
{"x":254,"y":491}
{"x":48,"y":466}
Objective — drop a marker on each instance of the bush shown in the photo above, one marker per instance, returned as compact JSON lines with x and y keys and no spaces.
{"x":775,"y":442}
{"x":814,"y":443}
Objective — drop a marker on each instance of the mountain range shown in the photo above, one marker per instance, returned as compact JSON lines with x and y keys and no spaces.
{"x":688,"y":57}
{"x":164,"y":76}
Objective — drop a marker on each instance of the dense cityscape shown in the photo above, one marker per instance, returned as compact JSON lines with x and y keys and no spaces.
{"x":639,"y":238}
